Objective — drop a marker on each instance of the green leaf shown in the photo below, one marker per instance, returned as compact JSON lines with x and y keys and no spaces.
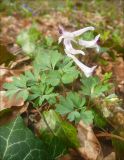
{"x":83,"y":101}
{"x":65,"y":132}
{"x":53,"y":78}
{"x":69,"y":134}
{"x":23,"y":94}
{"x":93,"y":87}
{"x":74,"y":116}
{"x":22,"y":37}
{"x":11,"y":93}
{"x":49,"y":41}
{"x":71,"y":105}
{"x":99,"y":121}
{"x":67,"y":78}
{"x":63,"y":110}
{"x":9,"y":86}
{"x":56,"y":67}
{"x":87,"y":117}
{"x":43,"y":60}
{"x":28,"y":35}
{"x":33,"y":33}
{"x":52,"y":119}
{"x":27,"y":40}
{"x":18,"y":82}
{"x":107,"y":76}
{"x":55,"y":58}
{"x":28,"y":48}
{"x":118,"y":144}
{"x":56,"y":148}
{"x":47,"y":59}
{"x":76,"y":99}
{"x":41,"y":92}
{"x":17,"y":86}
{"x":88,"y":36}
{"x":69,"y":75}
{"x":18,"y":142}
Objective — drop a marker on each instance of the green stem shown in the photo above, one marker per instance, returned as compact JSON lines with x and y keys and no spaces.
{"x":88,"y":104}
{"x":43,"y":116}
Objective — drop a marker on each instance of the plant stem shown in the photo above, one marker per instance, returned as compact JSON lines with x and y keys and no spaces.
{"x":88,"y":104}
{"x":109,"y":135}
{"x":43,"y":116}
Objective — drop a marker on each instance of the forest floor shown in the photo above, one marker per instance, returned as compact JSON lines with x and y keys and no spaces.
{"x":108,"y":19}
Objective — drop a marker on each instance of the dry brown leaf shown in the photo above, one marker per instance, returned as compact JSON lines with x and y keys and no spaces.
{"x":90,"y":147}
{"x":5,"y":102}
{"x":118,"y":69}
{"x":72,"y":155}
{"x":5,"y":76}
{"x":111,"y":156}
{"x":12,"y":114}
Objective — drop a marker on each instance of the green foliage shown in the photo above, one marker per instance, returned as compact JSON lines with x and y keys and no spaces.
{"x":107,"y":77}
{"x":56,"y":148}
{"x":18,"y":142}
{"x":99,"y":120}
{"x":60,"y":137}
{"x":93,"y":87}
{"x":51,"y":73}
{"x":61,"y":130}
{"x":116,"y":37}
{"x":68,"y":71}
{"x":31,"y":88}
{"x":27,"y":40}
{"x":118,"y":144}
{"x":48,"y":42}
{"x":74,"y":107}
{"x":105,"y":35}
{"x":88,"y":36}
{"x":87,"y":116}
{"x":58,"y":68}
{"x":18,"y":86}
{"x":41,"y":92}
{"x":47,"y":59}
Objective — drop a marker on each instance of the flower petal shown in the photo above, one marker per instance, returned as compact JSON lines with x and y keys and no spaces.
{"x":90,"y":44}
{"x":70,"y":35}
{"x":70,"y":49}
{"x":60,"y":39}
{"x":81,"y":31}
{"x":61,"y":29}
{"x":87,"y":70}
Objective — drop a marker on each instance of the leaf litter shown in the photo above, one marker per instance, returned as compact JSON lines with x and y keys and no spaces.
{"x":49,"y":26}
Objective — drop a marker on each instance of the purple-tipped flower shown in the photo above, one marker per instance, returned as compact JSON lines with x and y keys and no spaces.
{"x":69,"y":47}
{"x":68,"y":37}
{"x":72,"y":35}
{"x":90,"y":44}
{"x":87,"y":70}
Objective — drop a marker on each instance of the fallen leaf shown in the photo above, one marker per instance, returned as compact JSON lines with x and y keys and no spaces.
{"x":6,"y":74}
{"x":111,"y":156}
{"x":90,"y":148}
{"x":5,"y":102}
{"x":118,"y":69}
{"x":9,"y":114}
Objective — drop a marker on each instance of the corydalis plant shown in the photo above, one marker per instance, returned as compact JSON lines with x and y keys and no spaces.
{"x":68,"y":37}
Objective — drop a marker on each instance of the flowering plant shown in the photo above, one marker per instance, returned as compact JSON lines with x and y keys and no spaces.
{"x":69,"y":37}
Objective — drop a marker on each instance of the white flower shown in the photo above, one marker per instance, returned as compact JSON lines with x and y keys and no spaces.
{"x":72,"y":35}
{"x":69,"y":48}
{"x":90,"y":44}
{"x":87,"y":70}
{"x":68,"y":37}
